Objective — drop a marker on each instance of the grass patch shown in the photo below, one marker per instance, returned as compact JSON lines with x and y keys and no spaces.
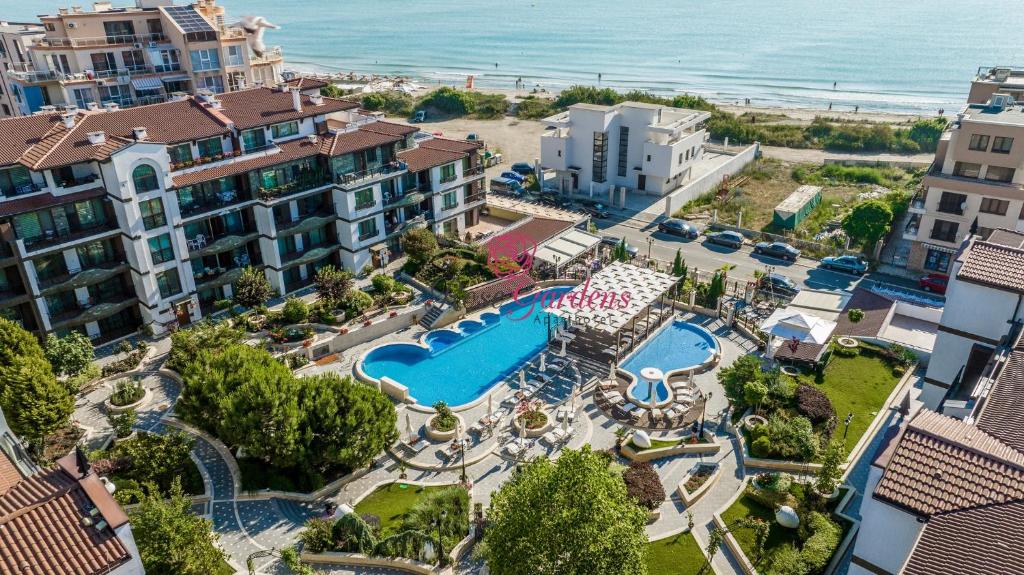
{"x":778,"y":536}
{"x":858,"y":385}
{"x":223,"y":568}
{"x":391,"y":502}
{"x":675,"y":555}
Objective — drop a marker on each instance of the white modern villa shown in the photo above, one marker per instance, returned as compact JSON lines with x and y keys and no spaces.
{"x":644,"y":148}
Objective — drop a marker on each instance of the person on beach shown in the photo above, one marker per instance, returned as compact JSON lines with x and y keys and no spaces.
{"x":830,"y":106}
{"x":598,"y":77}
{"x":834,"y":84}
{"x":856,"y":109}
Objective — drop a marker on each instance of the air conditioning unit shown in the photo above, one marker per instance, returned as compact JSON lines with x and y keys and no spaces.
{"x":152,"y":44}
{"x":137,"y":46}
{"x":101,"y":82}
{"x":72,"y":25}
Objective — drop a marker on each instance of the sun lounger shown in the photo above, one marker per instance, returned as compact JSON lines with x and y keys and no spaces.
{"x":513,"y":448}
{"x":550,"y":438}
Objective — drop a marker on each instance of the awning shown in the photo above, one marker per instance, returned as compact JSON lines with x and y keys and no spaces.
{"x":149,"y":83}
{"x":179,"y":78}
{"x":941,"y":248}
{"x":566,"y":247}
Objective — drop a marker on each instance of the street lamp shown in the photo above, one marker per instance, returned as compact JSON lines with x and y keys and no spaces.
{"x":847,"y":421}
{"x":650,"y":244}
{"x":704,"y":409}
{"x":440,"y":546}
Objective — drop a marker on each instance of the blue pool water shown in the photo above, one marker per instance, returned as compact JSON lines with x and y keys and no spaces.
{"x":463,"y":365}
{"x":677,"y":346}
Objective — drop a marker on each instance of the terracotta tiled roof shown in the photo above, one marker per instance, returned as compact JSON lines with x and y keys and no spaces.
{"x":979,"y":541}
{"x":40,"y":201}
{"x":291,"y":150}
{"x":1001,"y":416}
{"x":995,"y":265}
{"x":9,"y":474}
{"x":943,"y":464}
{"x":262,"y":106}
{"x":538,"y":230}
{"x":450,"y":145}
{"x":18,"y":134}
{"x":41,"y":530}
{"x":390,"y":128}
{"x":423,"y":158}
{"x":307,"y":83}
{"x":348,"y":142}
{"x":876,"y":309}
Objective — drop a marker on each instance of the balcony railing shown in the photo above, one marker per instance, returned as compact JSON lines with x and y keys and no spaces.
{"x":301,"y":184}
{"x":214,"y":202}
{"x":109,"y":40}
{"x":355,"y":180}
{"x":477,"y":197}
{"x":52,"y":238}
{"x":271,"y":56}
{"x":449,"y":178}
{"x":92,"y":272}
{"x":285,"y":225}
{"x":474,"y":171}
{"x":419,"y":220}
{"x":75,"y":182}
{"x":23,"y":189}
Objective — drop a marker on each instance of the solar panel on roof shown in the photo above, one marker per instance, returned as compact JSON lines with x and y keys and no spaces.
{"x":189,"y":19}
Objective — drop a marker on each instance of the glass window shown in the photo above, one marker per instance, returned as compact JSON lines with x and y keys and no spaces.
{"x":145,"y":180}
{"x":169,"y":283}
{"x":979,"y":142}
{"x":152,"y":213}
{"x":623,"y":150}
{"x":951,"y":203}
{"x":945,"y":231}
{"x":966,"y":170}
{"x":210,"y":147}
{"x":160,"y":249}
{"x":284,"y":130}
{"x":450,"y":200}
{"x":15,"y":181}
{"x":103,"y":62}
{"x":317,"y":237}
{"x":50,"y":266}
{"x":364,"y":199}
{"x":254,"y":139}
{"x":83,"y":96}
{"x":367,"y":228}
{"x":1001,"y":145}
{"x":994,"y":206}
{"x":287,"y":245}
{"x":95,"y":253}
{"x":448,"y":172}
{"x":999,"y":174}
{"x":121,"y":31}
{"x":214,"y":84}
{"x":180,"y":153}
{"x":134,"y":60}
{"x":208,"y":59}
{"x":600,"y":159}
{"x":233,"y":55}
{"x":937,"y":260}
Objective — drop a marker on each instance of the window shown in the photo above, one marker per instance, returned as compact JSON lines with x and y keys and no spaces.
{"x":83,"y":96}
{"x":120,"y":32}
{"x":96,"y":253}
{"x":180,"y":153}
{"x":966,"y":170}
{"x":214,"y":84}
{"x":208,"y":59}
{"x":623,"y":150}
{"x":287,"y":245}
{"x":951,"y":203}
{"x":134,"y":60}
{"x":166,"y":61}
{"x":60,"y":63}
{"x":999,"y":174}
{"x":254,"y":139}
{"x":233,"y":55}
{"x":600,"y":160}
{"x":979,"y":142}
{"x":367,"y":228}
{"x":103,"y":62}
{"x":364,"y":199}
{"x":60,"y":304}
{"x":152,"y":213}
{"x":117,"y":94}
{"x":944,"y":231}
{"x":144,"y":178}
{"x":937,"y":260}
{"x":450,"y":200}
{"x":15,"y":181}
{"x":50,"y":266}
{"x":284,"y":130}
{"x":1001,"y":145}
{"x":236,"y":81}
{"x":210,"y":147}
{"x":448,"y":173}
{"x":317,"y":237}
{"x":994,"y":206}
{"x":169,"y":283}
{"x":160,"y":249}
{"x":155,"y":27}
{"x":450,"y":227}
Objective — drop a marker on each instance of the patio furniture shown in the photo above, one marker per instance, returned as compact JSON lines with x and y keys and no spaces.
{"x":512,"y":448}
{"x":550,"y":437}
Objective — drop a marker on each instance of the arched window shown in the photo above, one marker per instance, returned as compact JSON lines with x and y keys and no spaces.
{"x":145,"y":180}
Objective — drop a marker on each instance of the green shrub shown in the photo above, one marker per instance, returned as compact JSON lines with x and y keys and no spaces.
{"x":449,"y":101}
{"x":317,"y":537}
{"x":187,"y":343}
{"x":392,"y":103}
{"x":792,"y":438}
{"x":356,"y":302}
{"x":295,"y":311}
{"x":445,"y":420}
{"x":127,"y":391}
{"x":533,"y":108}
{"x":122,"y":422}
{"x":786,"y":560}
{"x":818,"y":549}
{"x":761,"y":447}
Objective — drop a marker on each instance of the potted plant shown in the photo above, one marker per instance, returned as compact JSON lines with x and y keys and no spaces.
{"x":307,"y":343}
{"x":401,"y":470}
{"x":344,"y":330}
{"x":393,"y":314}
{"x":367,"y":323}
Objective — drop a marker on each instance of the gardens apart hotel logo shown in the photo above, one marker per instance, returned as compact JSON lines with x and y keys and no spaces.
{"x":511,"y":257}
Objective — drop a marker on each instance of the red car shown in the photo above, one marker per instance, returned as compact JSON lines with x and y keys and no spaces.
{"x":934,"y":283}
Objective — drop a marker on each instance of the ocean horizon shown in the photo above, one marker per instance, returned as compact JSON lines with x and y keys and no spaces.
{"x":881,"y":56}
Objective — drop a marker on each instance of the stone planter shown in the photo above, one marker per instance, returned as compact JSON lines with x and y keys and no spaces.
{"x":533,"y":433}
{"x":111,"y":408}
{"x":684,"y":447}
{"x":653,"y":515}
{"x":688,"y":497}
{"x":435,"y":435}
{"x":847,"y":342}
{"x":751,"y":421}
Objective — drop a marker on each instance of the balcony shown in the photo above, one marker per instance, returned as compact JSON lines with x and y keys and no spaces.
{"x":55,"y":238}
{"x":936,"y":178}
{"x":304,"y":183}
{"x":306,"y":222}
{"x":308,"y":256}
{"x":78,"y":184}
{"x":917,"y":203}
{"x":81,"y":278}
{"x":222,"y":243}
{"x":913,"y":226}
{"x":271,"y":56}
{"x":448,"y":179}
{"x":419,"y":221}
{"x":23,"y":190}
{"x":356,"y":180}
{"x":407,"y":199}
{"x":473,"y":171}
{"x":212,"y":202}
{"x":94,"y":310}
{"x":211,"y":278}
{"x":111,"y":40}
{"x":476,"y":197}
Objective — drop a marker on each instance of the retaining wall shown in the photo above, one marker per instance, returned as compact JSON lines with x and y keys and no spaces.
{"x":710,"y":180}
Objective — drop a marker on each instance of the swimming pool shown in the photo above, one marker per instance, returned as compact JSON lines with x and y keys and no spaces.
{"x":461,"y":363}
{"x":680,"y":345}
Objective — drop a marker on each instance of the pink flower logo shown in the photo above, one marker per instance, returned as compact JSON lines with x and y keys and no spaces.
{"x":510,"y":253}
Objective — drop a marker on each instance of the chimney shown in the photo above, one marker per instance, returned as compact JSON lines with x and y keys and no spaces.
{"x":312,"y":138}
{"x":282,"y":87}
{"x":102,"y":6}
{"x":97,"y":137}
{"x":316,"y":99}
{"x":297,"y":100}
{"x":92,"y":106}
{"x":111,"y":106}
{"x":140,"y":134}
{"x":69,"y":120}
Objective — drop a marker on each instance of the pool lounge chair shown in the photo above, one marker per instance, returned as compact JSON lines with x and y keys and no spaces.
{"x":513,"y":448}
{"x":550,"y":438}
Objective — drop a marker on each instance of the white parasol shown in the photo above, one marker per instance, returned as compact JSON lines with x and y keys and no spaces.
{"x":563,"y":348}
{"x":490,"y":406}
{"x":543,"y":357}
{"x":408,"y":424}
{"x":522,"y":379}
{"x":611,"y":370}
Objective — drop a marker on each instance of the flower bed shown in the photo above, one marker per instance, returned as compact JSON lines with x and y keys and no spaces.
{"x":669,"y":447}
{"x":697,"y":482}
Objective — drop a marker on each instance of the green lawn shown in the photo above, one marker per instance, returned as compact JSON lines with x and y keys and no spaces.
{"x":224,"y":568}
{"x":778,"y":536}
{"x":674,"y":555}
{"x":390,"y":502}
{"x":858,"y":385}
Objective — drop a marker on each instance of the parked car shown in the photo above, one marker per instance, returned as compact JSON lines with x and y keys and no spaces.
{"x":779,"y":285}
{"x":523,"y":168}
{"x":852,"y":264}
{"x":934,"y":283}
{"x":507,"y":186}
{"x":726,"y":238}
{"x":595,"y":209}
{"x":613,"y":241}
{"x":678,"y":227}
{"x":515,"y":176}
{"x":472,"y":137}
{"x":419,"y":116}
{"x":780,"y":250}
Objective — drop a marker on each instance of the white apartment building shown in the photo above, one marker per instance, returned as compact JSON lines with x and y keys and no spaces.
{"x":135,"y":55}
{"x":976,"y":183}
{"x":983,"y":312}
{"x":15,"y":40}
{"x":117,"y":218}
{"x":645,"y":148}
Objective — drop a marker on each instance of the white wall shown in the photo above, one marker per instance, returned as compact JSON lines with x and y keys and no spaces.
{"x":887,"y":535}
{"x":708,"y":181}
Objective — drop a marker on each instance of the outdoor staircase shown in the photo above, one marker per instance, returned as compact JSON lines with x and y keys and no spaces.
{"x":434,"y":311}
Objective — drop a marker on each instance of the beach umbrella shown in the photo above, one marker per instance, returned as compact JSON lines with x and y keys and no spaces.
{"x":543,"y":357}
{"x":611,"y":370}
{"x":563,"y":348}
{"x":565,"y":423}
{"x":490,"y":406}
{"x":522,"y":378}
{"x":408,"y":424}
{"x":522,"y":430}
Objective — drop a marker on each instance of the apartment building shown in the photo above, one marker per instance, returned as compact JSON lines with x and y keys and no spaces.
{"x":136,"y":55}
{"x":998,"y":79}
{"x":115,"y":219}
{"x":644,"y":148}
{"x":975,"y":184}
{"x":15,"y":40}
{"x":983,"y":315}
